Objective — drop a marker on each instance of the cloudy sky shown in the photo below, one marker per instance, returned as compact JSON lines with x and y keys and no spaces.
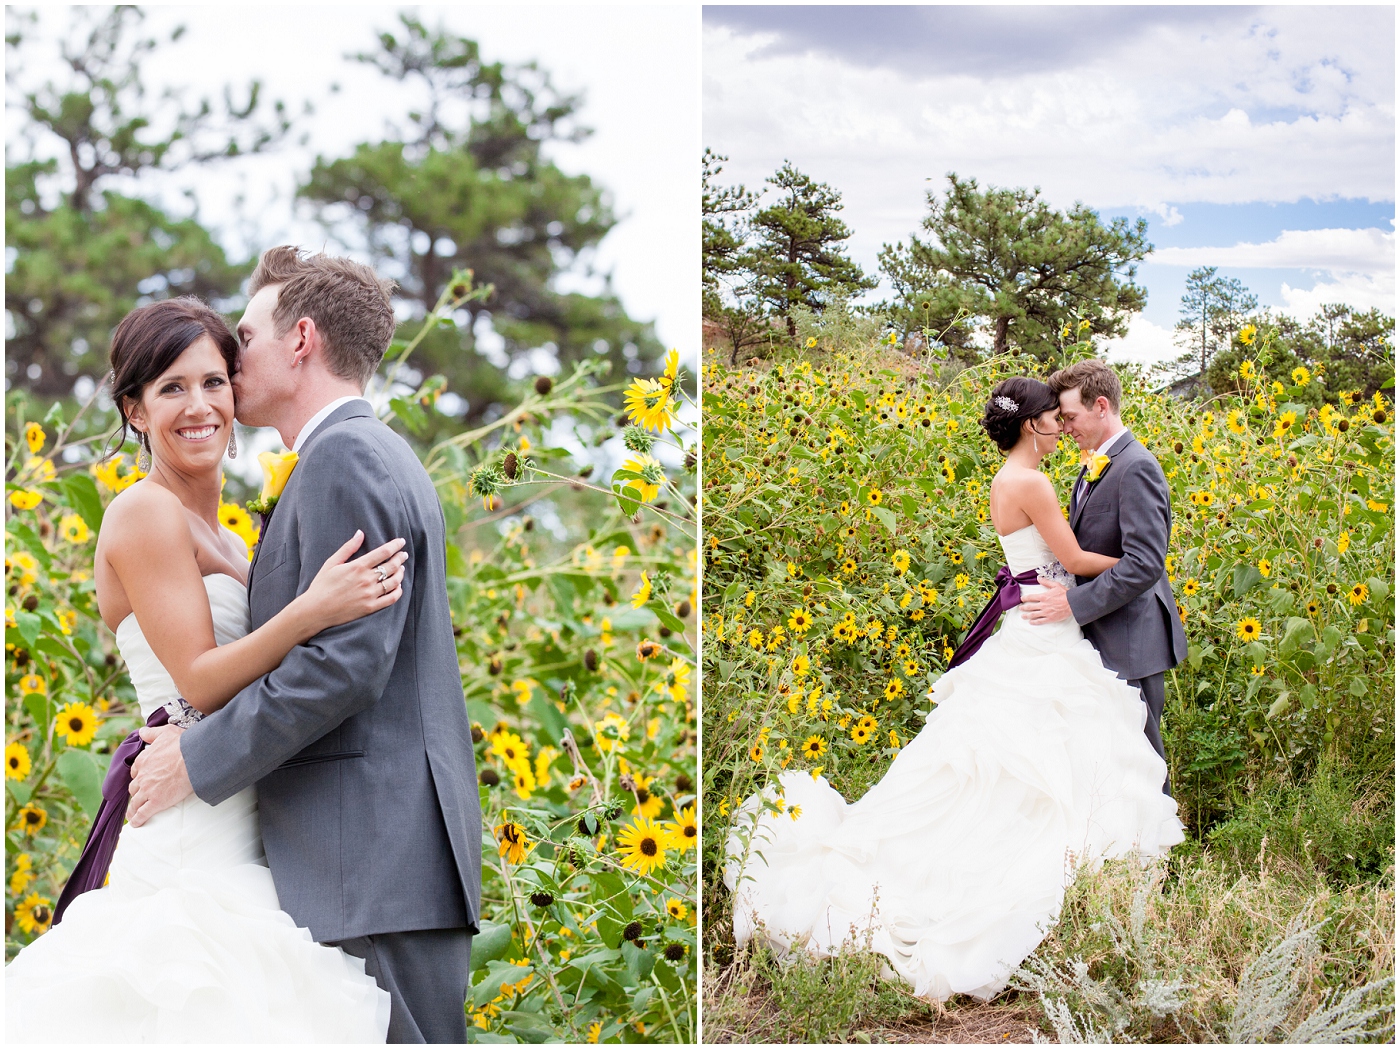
{"x":1260,"y":140}
{"x":637,"y":68}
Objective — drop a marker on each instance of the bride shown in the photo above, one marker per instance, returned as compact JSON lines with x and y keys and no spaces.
{"x":187,"y":942}
{"x":954,"y":865}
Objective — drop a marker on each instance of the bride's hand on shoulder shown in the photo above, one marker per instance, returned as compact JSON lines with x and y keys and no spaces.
{"x":345,"y":590}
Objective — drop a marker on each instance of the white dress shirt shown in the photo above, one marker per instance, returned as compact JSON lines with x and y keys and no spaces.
{"x":1082,"y":485}
{"x":320,"y":417}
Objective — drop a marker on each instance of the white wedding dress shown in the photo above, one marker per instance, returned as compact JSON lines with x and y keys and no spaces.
{"x":954,"y":865}
{"x":187,"y":942}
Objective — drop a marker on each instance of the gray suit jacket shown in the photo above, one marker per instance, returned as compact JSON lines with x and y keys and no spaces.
{"x":359,"y":741}
{"x":1128,"y":612}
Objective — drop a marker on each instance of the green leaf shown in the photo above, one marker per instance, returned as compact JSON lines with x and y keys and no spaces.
{"x":21,"y":792}
{"x":1278,"y":706}
{"x":886,"y":517}
{"x":78,"y":768}
{"x":629,"y":504}
{"x":497,"y":973}
{"x":82,"y":496}
{"x":639,"y":960}
{"x":28,"y":625}
{"x":1380,"y":590}
{"x":551,"y":721}
{"x":668,"y":618}
{"x":1246,"y":578}
{"x":1195,"y":656}
{"x":411,"y":414}
{"x":1295,"y":631}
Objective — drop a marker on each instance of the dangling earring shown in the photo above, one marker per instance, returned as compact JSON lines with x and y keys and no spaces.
{"x":232,"y":443}
{"x":143,"y":457}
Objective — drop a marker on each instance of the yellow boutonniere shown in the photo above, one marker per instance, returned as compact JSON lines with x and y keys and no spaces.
{"x":1097,"y":465}
{"x":276,"y":468}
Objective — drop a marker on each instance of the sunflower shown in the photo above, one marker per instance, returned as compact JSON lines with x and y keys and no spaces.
{"x":32,"y":818}
{"x":801,"y":665}
{"x":651,"y":480}
{"x":676,"y":909}
{"x":756,"y":752}
{"x":814,"y":746}
{"x":848,"y":566}
{"x":1264,"y":567}
{"x":649,"y":404}
{"x":1235,"y":421}
{"x":642,"y":846}
{"x":23,"y":875}
{"x":682,"y":829}
{"x":676,"y":679}
{"x":524,"y":781}
{"x":1248,"y":629}
{"x":868,"y":723}
{"x":1343,"y":542}
{"x":25,"y":498}
{"x":74,"y":529}
{"x":800,"y":621}
{"x":32,"y":684}
{"x":901,"y":561}
{"x":1301,"y":376}
{"x":874,"y":496}
{"x":16,"y":761}
{"x":34,"y":913}
{"x":1313,"y":608}
{"x":513,"y":843}
{"x":511,"y":749}
{"x":1190,"y":587}
{"x":611,"y":731}
{"x":1358,"y":594}
{"x":643,"y":594}
{"x":235,"y":518}
{"x":910,"y":668}
{"x":595,"y":1030}
{"x":1247,"y":370}
{"x":894,"y":688}
{"x":77,"y":723}
{"x":860,"y":734}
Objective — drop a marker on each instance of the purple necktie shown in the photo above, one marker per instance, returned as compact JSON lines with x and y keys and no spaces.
{"x":1007,"y":597}
{"x":90,"y":872}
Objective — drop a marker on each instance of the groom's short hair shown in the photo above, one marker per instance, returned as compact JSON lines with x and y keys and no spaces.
{"x":348,"y":302}
{"x":1093,"y":379}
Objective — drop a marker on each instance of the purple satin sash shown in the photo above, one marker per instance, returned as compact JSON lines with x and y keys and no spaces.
{"x":1007,"y":597}
{"x":90,"y":872}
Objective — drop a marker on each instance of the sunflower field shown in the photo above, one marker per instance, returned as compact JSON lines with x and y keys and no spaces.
{"x":848,"y":547}
{"x":573,"y":605}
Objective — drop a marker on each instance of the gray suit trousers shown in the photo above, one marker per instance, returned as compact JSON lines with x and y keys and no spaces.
{"x":425,"y":972}
{"x":1154,"y":694}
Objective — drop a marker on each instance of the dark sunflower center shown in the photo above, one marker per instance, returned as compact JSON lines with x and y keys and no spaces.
{"x":643,"y":795}
{"x":688,"y":830}
{"x":14,"y":762}
{"x":647,"y":846}
{"x":41,"y":914}
{"x":76,"y":724}
{"x":31,"y":817}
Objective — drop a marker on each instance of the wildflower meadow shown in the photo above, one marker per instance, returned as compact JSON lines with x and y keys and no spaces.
{"x":847,"y":548}
{"x":573,"y":599}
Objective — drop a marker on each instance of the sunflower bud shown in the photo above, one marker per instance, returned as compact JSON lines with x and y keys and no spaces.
{"x":489,"y":777}
{"x":543,"y":384}
{"x":633,"y":931}
{"x":541,"y":899}
{"x":477,"y":734}
{"x":684,"y":784}
{"x":31,"y":603}
{"x":590,"y":660}
{"x":1343,"y":425}
{"x":511,"y":466}
{"x":675,"y":952}
{"x":683,"y":609}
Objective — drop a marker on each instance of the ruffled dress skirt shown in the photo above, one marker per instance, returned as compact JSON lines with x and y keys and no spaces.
{"x":187,"y":943}
{"x":954,"y":865}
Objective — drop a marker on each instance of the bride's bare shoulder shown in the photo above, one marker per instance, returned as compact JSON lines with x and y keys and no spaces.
{"x":146,"y":513}
{"x":1011,"y":479}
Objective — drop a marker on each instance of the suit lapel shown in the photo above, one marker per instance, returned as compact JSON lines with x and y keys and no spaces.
{"x":1077,"y":509}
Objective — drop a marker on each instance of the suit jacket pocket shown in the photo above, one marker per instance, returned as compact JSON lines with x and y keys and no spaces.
{"x":270,"y":561}
{"x":311,"y":759}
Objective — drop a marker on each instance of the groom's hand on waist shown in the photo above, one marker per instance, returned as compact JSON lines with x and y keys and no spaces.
{"x":1049,"y":606}
{"x":158,"y":776}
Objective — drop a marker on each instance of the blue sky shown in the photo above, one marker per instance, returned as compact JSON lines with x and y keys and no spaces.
{"x":1257,"y":139}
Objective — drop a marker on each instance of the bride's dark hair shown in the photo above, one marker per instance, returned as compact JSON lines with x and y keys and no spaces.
{"x":149,"y":339}
{"x":1013,"y":400}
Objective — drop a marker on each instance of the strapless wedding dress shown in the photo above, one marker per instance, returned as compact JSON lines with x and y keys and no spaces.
{"x":187,"y":942}
{"x":954,"y":865}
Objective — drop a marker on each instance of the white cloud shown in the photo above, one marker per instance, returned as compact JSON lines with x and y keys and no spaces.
{"x":1146,"y":343}
{"x":1279,"y":104}
{"x":1336,"y":250}
{"x":1359,"y":291}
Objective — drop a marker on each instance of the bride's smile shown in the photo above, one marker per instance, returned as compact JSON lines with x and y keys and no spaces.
{"x":187,"y":412}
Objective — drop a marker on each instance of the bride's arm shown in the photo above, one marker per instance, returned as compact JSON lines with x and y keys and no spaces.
{"x":1037,"y":497}
{"x":150,"y":548}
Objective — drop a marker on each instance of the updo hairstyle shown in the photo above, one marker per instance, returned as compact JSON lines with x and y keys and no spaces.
{"x":1013,"y":400}
{"x":149,"y":340}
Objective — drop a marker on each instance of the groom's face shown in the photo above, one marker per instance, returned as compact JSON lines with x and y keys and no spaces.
{"x":263,"y":379}
{"x":1085,"y":423}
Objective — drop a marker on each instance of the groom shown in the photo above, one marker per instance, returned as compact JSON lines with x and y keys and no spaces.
{"x":1128,"y":612}
{"x":359,"y":742}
